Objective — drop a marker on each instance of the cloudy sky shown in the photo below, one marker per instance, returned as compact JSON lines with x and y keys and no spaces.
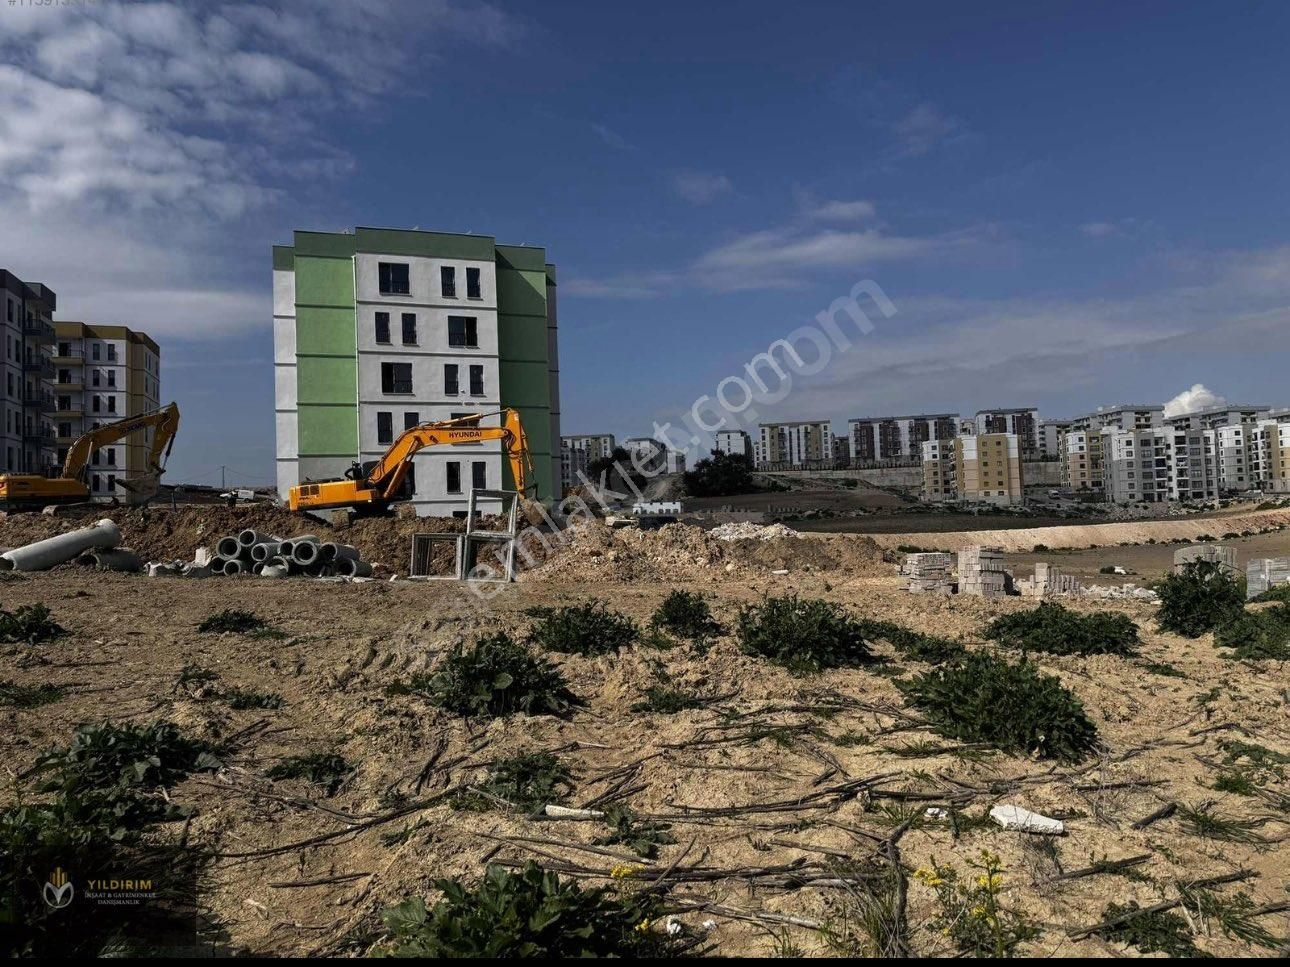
{"x":1071,"y":205}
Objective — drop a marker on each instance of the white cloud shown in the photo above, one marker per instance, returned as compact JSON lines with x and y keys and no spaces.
{"x":842,"y":211}
{"x":701,"y":188}
{"x":1190,"y":400}
{"x":926,"y":127}
{"x":612,"y":138}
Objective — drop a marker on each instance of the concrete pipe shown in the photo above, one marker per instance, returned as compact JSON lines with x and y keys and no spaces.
{"x":56,"y":550}
{"x":113,"y":559}
{"x":305,"y":553}
{"x":216,"y":565}
{"x":315,"y":569}
{"x":286,"y":562}
{"x":257,"y":567}
{"x":349,"y":568}
{"x":265,"y":550}
{"x":285,"y":548}
{"x":273,"y":570}
{"x":233,"y":567}
{"x":251,"y":537}
{"x":228,"y":547}
{"x":331,"y":551}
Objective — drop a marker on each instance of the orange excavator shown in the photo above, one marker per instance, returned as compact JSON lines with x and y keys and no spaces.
{"x":373,"y":487}
{"x":26,"y":491}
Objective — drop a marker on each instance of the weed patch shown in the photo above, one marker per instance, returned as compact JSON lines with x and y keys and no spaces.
{"x":527,"y":913}
{"x":525,"y":782}
{"x":1202,"y":820}
{"x":1056,"y":630}
{"x":235,"y":621}
{"x":911,"y":644}
{"x":243,"y":699}
{"x":495,"y":678}
{"x":325,"y":769}
{"x":29,"y":696}
{"x":667,"y":701}
{"x":583,"y":629}
{"x":642,"y":836}
{"x":970,"y":913}
{"x":1150,"y":931}
{"x":1257,"y":634}
{"x":1013,"y":707}
{"x":803,"y":635}
{"x":686,"y":615}
{"x":30,"y":624}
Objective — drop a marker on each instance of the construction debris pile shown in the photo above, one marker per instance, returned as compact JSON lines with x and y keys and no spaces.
{"x":981,"y":574}
{"x":746,"y":530}
{"x":252,"y":552}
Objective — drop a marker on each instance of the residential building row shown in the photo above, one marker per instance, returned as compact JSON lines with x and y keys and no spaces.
{"x":378,"y":330}
{"x":644,"y":454}
{"x":65,"y":378}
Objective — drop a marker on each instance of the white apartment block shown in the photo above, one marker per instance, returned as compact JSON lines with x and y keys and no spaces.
{"x":650,"y":456}
{"x":1050,"y":437}
{"x":794,"y":444}
{"x":104,"y":374}
{"x":1193,"y":475}
{"x":735,"y":442}
{"x":898,"y":437}
{"x":1120,"y":417}
{"x":1232,"y":433}
{"x":596,"y":446}
{"x":26,"y":319}
{"x":1021,"y":421}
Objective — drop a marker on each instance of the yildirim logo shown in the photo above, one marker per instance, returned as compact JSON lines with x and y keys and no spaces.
{"x":58,"y":890}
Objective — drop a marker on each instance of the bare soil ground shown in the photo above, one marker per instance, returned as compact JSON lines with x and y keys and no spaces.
{"x":767,"y":775}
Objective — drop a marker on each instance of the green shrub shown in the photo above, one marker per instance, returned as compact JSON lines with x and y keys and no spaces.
{"x":526,"y":781}
{"x":242,"y":699}
{"x":1150,"y":931}
{"x":29,"y":625}
{"x":495,"y":678}
{"x":1056,"y":630}
{"x":1257,"y":634}
{"x":583,"y":629}
{"x":29,"y":696}
{"x":914,"y":645}
{"x":642,"y":836}
{"x":1200,"y":598}
{"x":527,"y":913}
{"x":1280,"y":592}
{"x":194,"y":679}
{"x":239,"y":622}
{"x":1014,"y":707}
{"x":720,"y":475}
{"x":686,"y":615}
{"x":667,"y":701}
{"x":326,"y":769}
{"x":802,"y":635}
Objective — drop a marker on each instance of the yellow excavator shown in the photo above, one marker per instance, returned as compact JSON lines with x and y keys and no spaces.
{"x":373,"y":487}
{"x":25,"y":491}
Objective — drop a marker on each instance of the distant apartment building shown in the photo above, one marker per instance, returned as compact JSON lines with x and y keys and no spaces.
{"x":650,"y":456}
{"x":104,"y":374}
{"x":1231,"y":430}
{"x":29,"y":374}
{"x":1081,"y":459}
{"x":1270,"y":453}
{"x":793,"y":444}
{"x":377,"y":330}
{"x":1050,"y":437}
{"x":735,"y":442}
{"x":1021,"y":421}
{"x":980,"y":468}
{"x":898,"y":437}
{"x":577,"y":451}
{"x":1120,"y":417}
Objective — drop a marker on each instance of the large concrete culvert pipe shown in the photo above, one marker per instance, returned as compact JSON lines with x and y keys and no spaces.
{"x":56,"y":550}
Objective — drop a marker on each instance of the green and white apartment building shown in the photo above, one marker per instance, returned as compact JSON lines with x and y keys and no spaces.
{"x":380,"y":329}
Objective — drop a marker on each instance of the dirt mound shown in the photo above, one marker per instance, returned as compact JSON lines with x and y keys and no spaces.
{"x":855,"y":555}
{"x":739,"y":530}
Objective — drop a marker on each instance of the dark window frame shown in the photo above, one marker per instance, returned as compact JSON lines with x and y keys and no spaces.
{"x":452,"y":468}
{"x":476,"y":371}
{"x":473,"y":288}
{"x":384,"y":426}
{"x":381,"y":328}
{"x":391,"y":384}
{"x":408,"y":324}
{"x":393,"y":278}
{"x":451,"y":386}
{"x":448,"y":281}
{"x":469,"y":335}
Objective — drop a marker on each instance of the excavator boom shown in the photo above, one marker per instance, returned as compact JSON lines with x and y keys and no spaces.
{"x":381,"y":484}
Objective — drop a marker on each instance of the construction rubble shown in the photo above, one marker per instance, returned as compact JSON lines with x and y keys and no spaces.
{"x":746,"y":530}
{"x":981,"y":574}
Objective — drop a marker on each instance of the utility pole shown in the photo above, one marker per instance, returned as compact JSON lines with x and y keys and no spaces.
{"x":221,"y":478}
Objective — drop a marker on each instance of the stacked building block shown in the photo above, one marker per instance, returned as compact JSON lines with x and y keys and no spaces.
{"x":1218,"y":553}
{"x":1048,"y":580}
{"x":981,"y":572}
{"x":1263,"y":574}
{"x":929,"y":572}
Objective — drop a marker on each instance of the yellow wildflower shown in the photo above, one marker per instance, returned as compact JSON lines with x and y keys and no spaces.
{"x":625,"y":870}
{"x":990,"y":882}
{"x":643,"y":926}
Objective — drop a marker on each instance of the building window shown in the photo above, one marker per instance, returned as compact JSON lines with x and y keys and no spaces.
{"x":111,"y":455}
{"x":450,"y":385}
{"x":383,"y":327}
{"x":411,"y":419}
{"x":111,"y":402}
{"x":64,"y":349}
{"x":393,"y":278}
{"x":384,"y":427}
{"x":98,"y":404}
{"x":97,"y":351}
{"x":396,"y":377}
{"x":479,"y":475}
{"x":64,"y":430}
{"x":96,"y":377}
{"x":476,"y":380}
{"x":111,"y":351}
{"x":462,"y":331}
{"x":409,"y":328}
{"x":454,"y":476}
{"x":97,"y":483}
{"x":448,"y":281}
{"x":111,"y":375}
{"x":472,"y":284}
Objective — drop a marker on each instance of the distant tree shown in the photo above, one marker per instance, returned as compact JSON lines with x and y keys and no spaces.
{"x":721,"y":475}
{"x":598,"y":466}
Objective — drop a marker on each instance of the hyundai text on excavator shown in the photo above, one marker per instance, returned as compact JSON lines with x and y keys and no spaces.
{"x":371,"y":488}
{"x":26,"y":491}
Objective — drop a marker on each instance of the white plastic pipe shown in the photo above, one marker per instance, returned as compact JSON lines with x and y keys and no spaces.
{"x":56,"y":550}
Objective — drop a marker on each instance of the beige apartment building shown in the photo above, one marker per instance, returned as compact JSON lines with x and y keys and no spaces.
{"x":103,"y":374}
{"x":984,"y":468}
{"x":793,"y":444}
{"x":1270,"y":453}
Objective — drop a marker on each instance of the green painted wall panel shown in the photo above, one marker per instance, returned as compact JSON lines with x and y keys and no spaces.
{"x":522,"y":337}
{"x":326,"y":379}
{"x":521,"y":293}
{"x":443,"y":245}
{"x":324,"y":331}
{"x":324,"y":282}
{"x":523,"y":257}
{"x":283,"y":257}
{"x":327,"y":430}
{"x":325,"y":244}
{"x":524,"y":384}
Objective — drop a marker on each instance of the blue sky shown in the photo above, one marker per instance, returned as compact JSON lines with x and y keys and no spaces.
{"x":1070,"y":205}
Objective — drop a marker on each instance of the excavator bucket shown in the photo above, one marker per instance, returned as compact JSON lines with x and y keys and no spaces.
{"x":141,"y":489}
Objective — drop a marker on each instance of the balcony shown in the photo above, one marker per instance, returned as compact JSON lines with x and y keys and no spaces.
{"x":75,"y":382}
{"x":43,"y":331}
{"x":42,"y":435}
{"x":42,"y":402}
{"x":73,"y":356}
{"x":39,"y":364}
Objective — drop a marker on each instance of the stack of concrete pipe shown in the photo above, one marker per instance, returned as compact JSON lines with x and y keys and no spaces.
{"x":270,"y":556}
